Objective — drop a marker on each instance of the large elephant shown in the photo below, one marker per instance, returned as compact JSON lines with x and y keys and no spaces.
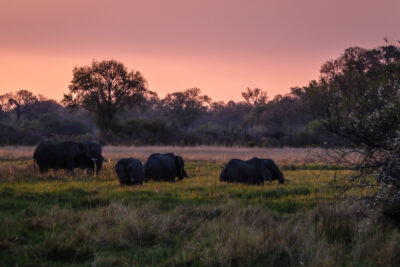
{"x":130,"y":171}
{"x":253,"y":171}
{"x":68,"y":155}
{"x":164,"y":167}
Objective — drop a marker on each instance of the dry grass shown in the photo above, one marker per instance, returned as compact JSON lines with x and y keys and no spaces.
{"x":221,"y":154}
{"x":199,"y":153}
{"x":221,"y":235}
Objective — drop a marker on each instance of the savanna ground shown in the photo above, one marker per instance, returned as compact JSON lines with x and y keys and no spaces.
{"x":318,"y":218}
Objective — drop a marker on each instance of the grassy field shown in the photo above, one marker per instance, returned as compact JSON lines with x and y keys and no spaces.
{"x":200,"y":153}
{"x":316,"y":219}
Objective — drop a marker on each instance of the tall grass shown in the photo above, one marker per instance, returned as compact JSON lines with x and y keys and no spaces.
{"x":198,"y":153}
{"x":206,"y":235}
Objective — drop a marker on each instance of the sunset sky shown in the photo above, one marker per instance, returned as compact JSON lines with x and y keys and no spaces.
{"x":221,"y":46}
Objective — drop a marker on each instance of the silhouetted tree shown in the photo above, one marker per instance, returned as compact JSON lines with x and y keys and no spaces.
{"x":42,"y":106}
{"x":104,"y":88}
{"x":255,"y":97}
{"x":3,"y":114}
{"x":186,"y":106}
{"x":19,"y":102}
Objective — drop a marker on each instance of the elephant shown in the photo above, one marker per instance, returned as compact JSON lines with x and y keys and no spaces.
{"x":68,"y":155}
{"x":164,"y":167}
{"x":130,"y":171}
{"x":253,"y":171}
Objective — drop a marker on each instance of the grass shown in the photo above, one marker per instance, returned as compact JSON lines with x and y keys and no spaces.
{"x":317,"y":219}
{"x":282,"y":156}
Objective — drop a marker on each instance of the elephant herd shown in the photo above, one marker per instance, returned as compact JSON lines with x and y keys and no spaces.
{"x":158,"y":167}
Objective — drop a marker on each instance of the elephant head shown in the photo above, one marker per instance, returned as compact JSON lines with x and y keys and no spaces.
{"x":270,"y":171}
{"x":92,"y":151}
{"x":136,"y":176}
{"x":180,"y":167}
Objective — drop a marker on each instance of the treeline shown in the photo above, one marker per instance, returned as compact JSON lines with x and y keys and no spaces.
{"x":180,"y":118}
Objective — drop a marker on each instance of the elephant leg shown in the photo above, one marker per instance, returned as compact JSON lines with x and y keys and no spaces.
{"x":43,"y":169}
{"x":70,"y":165}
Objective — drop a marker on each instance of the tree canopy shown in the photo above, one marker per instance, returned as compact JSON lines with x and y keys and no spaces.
{"x":255,"y":97}
{"x":105,"y":88}
{"x":357,"y":96}
{"x":21,"y":102}
{"x":187,"y":105}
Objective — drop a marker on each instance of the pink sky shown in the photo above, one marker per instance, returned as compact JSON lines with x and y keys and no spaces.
{"x":221,"y":46}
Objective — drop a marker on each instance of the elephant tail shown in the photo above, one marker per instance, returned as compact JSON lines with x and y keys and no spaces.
{"x":33,"y":161}
{"x":34,"y":157}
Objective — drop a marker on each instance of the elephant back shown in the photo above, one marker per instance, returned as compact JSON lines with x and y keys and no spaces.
{"x":161,"y":167}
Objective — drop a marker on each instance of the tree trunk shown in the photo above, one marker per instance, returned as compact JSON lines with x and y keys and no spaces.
{"x":18,"y":110}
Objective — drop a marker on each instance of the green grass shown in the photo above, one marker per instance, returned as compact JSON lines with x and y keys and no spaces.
{"x":57,"y":219}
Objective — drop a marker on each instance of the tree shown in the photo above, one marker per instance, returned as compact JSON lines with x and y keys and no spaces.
{"x":20,"y":102}
{"x":186,"y":106}
{"x":3,"y":114}
{"x":105,"y":88}
{"x":358,"y":98}
{"x":255,"y":97}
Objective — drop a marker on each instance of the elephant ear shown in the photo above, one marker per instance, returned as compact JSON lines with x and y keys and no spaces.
{"x":275,"y":171}
{"x":265,"y":172}
{"x":179,"y":167}
{"x":86,"y":151}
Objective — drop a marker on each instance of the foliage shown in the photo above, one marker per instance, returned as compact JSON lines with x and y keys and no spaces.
{"x":255,"y":97}
{"x":184,"y":118}
{"x":104,"y":89}
{"x":186,"y":106}
{"x":358,"y":98}
{"x":153,"y":131}
{"x":124,"y":111}
{"x":21,"y":102}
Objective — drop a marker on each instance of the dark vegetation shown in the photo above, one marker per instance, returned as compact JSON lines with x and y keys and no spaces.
{"x":358,"y":98}
{"x":354,"y":103}
{"x":110,"y":104}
